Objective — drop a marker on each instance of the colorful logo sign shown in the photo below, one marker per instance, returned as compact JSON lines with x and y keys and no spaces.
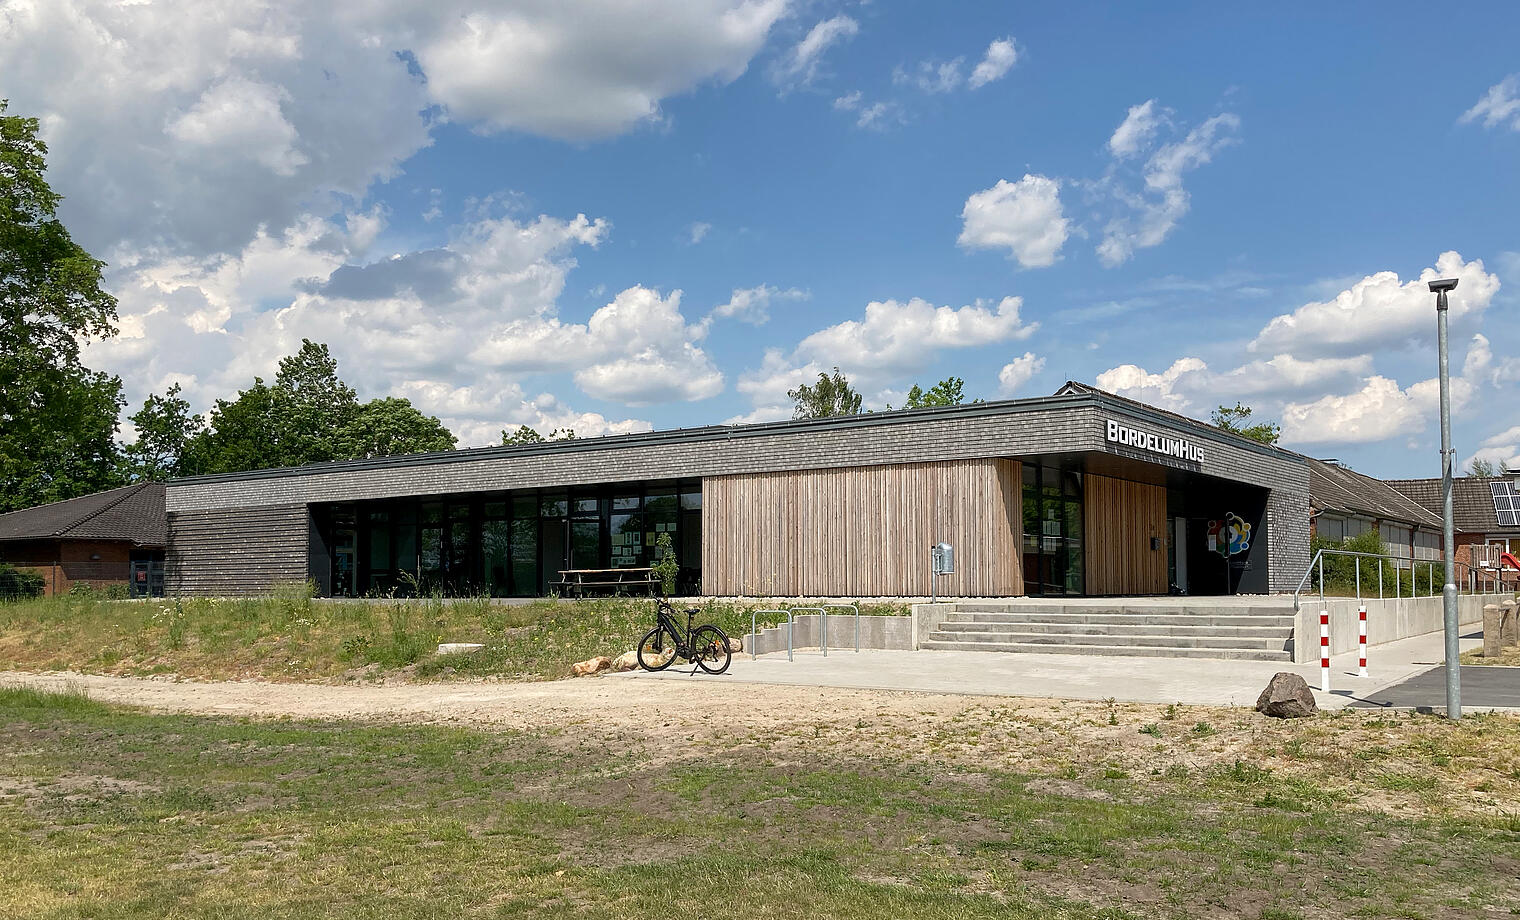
{"x":1239,"y":532}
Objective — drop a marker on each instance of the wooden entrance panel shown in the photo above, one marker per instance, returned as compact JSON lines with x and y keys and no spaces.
{"x":863,"y":531}
{"x":1122,"y":518}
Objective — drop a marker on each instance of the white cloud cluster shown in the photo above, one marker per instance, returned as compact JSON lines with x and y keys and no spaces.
{"x":1499,"y":106}
{"x":1502,"y":450}
{"x":1149,"y":214}
{"x":874,"y":116}
{"x":753,"y":305}
{"x":800,"y":66}
{"x":1320,"y":381}
{"x":1024,"y":217}
{"x":1000,"y":57}
{"x":1380,"y":311}
{"x":893,"y":339}
{"x":1018,"y":372}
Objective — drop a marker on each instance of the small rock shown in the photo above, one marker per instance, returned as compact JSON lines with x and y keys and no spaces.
{"x":1287,"y":696}
{"x":735,"y":645}
{"x":459,"y":648}
{"x":626,"y":661}
{"x":591,"y":666}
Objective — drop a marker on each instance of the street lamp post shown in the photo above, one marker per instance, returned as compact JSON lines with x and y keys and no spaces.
{"x":1449,"y":590}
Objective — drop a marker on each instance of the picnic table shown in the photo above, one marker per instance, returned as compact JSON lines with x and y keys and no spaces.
{"x":576,"y":582}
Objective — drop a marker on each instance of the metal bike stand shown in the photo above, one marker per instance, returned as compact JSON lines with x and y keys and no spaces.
{"x":857,"y":619}
{"x":753,"y":633}
{"x":823,"y":611}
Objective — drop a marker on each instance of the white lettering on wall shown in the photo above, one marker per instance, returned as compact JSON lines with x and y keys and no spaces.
{"x":1125,"y":436}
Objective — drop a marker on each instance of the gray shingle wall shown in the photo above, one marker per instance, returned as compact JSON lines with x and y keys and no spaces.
{"x":240,"y":551}
{"x":1287,"y":538}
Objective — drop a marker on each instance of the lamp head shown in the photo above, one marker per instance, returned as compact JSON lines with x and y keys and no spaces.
{"x":1443,"y":285}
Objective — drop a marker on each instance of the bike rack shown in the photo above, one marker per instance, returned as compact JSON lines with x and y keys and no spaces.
{"x":754,"y":619}
{"x":857,"y":620}
{"x":824,"y":612}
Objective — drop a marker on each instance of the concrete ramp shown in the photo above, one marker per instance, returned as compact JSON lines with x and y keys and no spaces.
{"x":1258,"y":629}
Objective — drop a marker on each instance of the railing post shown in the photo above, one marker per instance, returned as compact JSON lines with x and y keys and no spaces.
{"x":1324,"y":649}
{"x":1380,"y":577}
{"x":1357,"y":564}
{"x":1361,"y":641}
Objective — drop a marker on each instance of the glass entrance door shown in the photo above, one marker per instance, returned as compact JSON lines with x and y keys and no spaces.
{"x":1054,"y":549}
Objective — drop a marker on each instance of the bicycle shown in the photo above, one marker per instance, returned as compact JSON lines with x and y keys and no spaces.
{"x":706,"y":645}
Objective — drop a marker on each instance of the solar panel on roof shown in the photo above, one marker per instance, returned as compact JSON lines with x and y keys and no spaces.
{"x":1506,"y":504}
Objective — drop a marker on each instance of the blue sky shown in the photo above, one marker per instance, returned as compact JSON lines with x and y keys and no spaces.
{"x":490,"y":209}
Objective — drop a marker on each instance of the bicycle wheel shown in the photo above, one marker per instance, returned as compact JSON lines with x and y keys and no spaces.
{"x":709,"y":647}
{"x":656,"y":651}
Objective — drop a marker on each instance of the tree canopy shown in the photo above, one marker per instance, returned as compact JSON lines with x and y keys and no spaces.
{"x":58,"y":418}
{"x":309,"y":415}
{"x":165,"y":427}
{"x":1482,"y":468}
{"x":832,"y":395}
{"x":1234,"y":419}
{"x":948,"y":392}
{"x":527,"y":435}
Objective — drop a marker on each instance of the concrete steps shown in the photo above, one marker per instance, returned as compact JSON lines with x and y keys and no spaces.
{"x":1262,"y":633}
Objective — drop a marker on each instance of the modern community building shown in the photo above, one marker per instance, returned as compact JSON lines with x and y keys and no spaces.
{"x":1079,"y":493}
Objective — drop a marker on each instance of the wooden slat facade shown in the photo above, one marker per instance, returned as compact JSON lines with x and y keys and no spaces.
{"x":1120,"y":519}
{"x":864,"y":531}
{"x":239,"y":551}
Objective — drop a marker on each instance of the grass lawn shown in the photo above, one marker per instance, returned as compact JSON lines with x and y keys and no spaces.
{"x":981,"y":809}
{"x":289,"y":636}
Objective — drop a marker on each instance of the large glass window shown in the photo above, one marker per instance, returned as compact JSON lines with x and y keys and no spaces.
{"x":496,"y":556}
{"x":1054,"y":550}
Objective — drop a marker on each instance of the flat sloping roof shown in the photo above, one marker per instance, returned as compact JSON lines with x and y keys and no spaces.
{"x":132,"y":513}
{"x":1071,"y":393}
{"x":1335,"y":488}
{"x":1472,"y":501}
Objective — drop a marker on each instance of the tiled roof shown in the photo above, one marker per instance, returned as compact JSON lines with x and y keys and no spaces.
{"x":1472,"y":501}
{"x":133,"y":513}
{"x":1336,"y":488}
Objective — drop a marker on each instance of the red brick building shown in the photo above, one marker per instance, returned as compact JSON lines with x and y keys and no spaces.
{"x":109,"y":538}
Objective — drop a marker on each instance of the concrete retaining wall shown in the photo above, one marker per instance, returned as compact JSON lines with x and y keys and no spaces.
{"x":1388,"y":620}
{"x":875,"y":632}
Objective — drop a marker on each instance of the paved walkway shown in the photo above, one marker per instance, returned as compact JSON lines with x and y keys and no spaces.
{"x":1483,"y":687}
{"x":1197,"y":681}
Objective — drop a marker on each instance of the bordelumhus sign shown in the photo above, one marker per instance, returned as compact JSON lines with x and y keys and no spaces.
{"x":1126,"y":436}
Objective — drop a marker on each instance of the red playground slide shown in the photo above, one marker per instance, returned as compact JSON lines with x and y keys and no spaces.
{"x":1506,"y":559}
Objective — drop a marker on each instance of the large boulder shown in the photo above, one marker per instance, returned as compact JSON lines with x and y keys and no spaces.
{"x":1287,"y":697}
{"x":626,"y":661}
{"x":591,"y":666}
{"x":735,"y":645}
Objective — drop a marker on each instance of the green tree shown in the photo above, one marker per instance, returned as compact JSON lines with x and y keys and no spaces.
{"x":1482,"y":468}
{"x":165,"y":429}
{"x":1235,"y":420}
{"x":526,"y":435}
{"x":57,"y":417}
{"x":315,"y":409}
{"x":242,"y":434}
{"x":832,"y":395}
{"x":948,"y":392}
{"x":390,"y":426}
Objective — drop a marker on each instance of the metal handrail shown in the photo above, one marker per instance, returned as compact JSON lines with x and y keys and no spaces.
{"x":754,"y":616}
{"x":857,"y":619}
{"x":824,"y":611}
{"x":1318,"y":562}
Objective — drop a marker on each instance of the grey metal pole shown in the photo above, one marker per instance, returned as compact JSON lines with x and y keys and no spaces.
{"x":1449,"y":589}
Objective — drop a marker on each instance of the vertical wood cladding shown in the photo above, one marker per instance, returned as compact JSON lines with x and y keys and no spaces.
{"x":237,"y":551}
{"x":1120,"y":518}
{"x":864,"y":531}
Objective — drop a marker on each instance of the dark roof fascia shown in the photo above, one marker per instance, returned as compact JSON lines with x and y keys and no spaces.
{"x":1085,"y":398}
{"x":1141,"y":410}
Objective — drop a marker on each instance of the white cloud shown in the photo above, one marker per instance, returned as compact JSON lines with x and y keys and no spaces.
{"x":766,"y":387}
{"x":1166,"y":389}
{"x":698,"y":231}
{"x":1136,"y":131}
{"x":1189,"y":386}
{"x":1502,"y":450}
{"x":800,"y":66}
{"x":896,"y":336}
{"x":752,"y":305}
{"x":1150,"y":214}
{"x":1025,"y":217}
{"x":878,"y":116}
{"x":1377,"y":412}
{"x":1380,"y":311}
{"x":1000,"y":57}
{"x":238,"y":118}
{"x":932,"y":76}
{"x":578,"y":71}
{"x":1018,"y":372}
{"x":1499,"y":105}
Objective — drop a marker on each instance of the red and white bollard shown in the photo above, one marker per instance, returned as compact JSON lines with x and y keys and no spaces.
{"x":1324,"y":651}
{"x":1361,"y":617}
